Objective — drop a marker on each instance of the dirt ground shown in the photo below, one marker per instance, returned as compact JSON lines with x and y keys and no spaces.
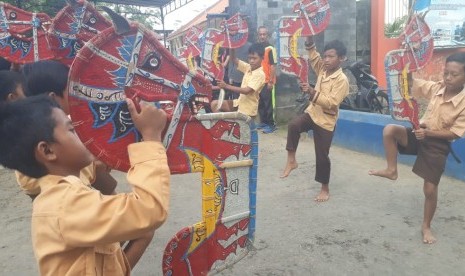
{"x":370,"y":226}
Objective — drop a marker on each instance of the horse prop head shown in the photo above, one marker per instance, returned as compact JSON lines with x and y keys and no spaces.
{"x":23,"y":35}
{"x":418,"y":43}
{"x":416,"y":49}
{"x":72,"y":27}
{"x":128,"y":61}
{"x":313,"y":17}
{"x":234,"y":33}
{"x":191,"y":41}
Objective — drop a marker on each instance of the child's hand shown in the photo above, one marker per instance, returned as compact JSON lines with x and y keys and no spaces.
{"x":420,"y":133}
{"x":102,"y":167}
{"x":306,"y":88}
{"x":221,"y":84}
{"x":150,"y":121}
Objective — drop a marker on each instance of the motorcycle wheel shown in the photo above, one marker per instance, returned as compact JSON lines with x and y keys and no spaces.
{"x":380,"y":103}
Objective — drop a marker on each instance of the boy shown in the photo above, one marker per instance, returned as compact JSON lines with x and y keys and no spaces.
{"x":331,"y":88}
{"x":49,"y":77}
{"x":11,"y":86}
{"x":252,"y":83}
{"x":443,"y":121}
{"x":75,"y":229}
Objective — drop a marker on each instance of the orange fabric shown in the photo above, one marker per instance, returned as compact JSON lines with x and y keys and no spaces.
{"x":266,"y":64}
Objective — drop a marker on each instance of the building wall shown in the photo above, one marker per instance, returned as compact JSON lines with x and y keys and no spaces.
{"x":363,"y":30}
{"x":267,"y":13}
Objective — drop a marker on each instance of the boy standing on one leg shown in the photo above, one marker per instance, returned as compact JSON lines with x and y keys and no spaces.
{"x":443,"y":121}
{"x":331,"y":88}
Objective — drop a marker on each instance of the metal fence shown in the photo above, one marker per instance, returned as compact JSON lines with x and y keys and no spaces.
{"x":396,"y":9}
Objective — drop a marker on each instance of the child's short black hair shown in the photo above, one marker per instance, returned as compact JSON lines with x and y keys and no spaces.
{"x":9,"y":81}
{"x":45,"y":76}
{"x":337,"y":45}
{"x":457,"y":57}
{"x":23,"y":124}
{"x":4,"y":64}
{"x":257,"y":48}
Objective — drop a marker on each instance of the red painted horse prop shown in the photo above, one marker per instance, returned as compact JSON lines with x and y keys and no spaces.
{"x":313,"y":17}
{"x":417,"y":49}
{"x":191,"y":48}
{"x":23,"y":36}
{"x":128,"y":61}
{"x":72,"y":27}
{"x":233,"y":34}
{"x":191,"y":43}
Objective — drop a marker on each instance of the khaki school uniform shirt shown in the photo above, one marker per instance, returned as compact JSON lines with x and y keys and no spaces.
{"x":441,"y":114}
{"x":330,"y":91}
{"x":76,"y":230}
{"x":248,"y":103}
{"x":30,"y":185}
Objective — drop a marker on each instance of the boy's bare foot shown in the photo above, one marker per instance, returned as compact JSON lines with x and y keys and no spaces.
{"x":428,"y":237}
{"x":323,"y":196}
{"x":389,"y":174}
{"x":289,"y":168}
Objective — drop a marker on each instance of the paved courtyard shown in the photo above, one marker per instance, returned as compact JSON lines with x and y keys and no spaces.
{"x":370,"y":226}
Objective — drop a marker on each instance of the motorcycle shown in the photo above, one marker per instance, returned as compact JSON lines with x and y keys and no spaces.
{"x":368,"y":97}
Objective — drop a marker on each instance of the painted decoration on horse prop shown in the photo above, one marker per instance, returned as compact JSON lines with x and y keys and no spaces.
{"x":23,"y":36}
{"x":72,"y":27}
{"x":129,"y":61}
{"x":233,"y":34}
{"x":191,"y":48}
{"x":313,"y":17}
{"x":417,"y":49}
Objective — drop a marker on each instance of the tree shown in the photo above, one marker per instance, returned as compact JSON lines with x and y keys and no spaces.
{"x":50,"y":7}
{"x":149,"y":17}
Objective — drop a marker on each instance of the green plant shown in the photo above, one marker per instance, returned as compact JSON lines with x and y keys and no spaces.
{"x":395,"y":28}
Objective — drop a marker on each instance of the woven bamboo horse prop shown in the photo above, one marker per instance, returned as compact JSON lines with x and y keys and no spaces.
{"x":191,"y":48}
{"x":72,"y":27}
{"x":416,"y":50}
{"x":129,"y":61}
{"x":313,"y":17}
{"x":233,"y":34}
{"x":23,"y":36}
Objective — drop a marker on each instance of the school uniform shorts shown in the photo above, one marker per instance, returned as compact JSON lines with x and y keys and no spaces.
{"x":431,"y":156}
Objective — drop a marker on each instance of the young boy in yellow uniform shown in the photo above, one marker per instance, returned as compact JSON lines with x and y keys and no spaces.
{"x":75,"y":229}
{"x":331,"y":88}
{"x":443,"y":121}
{"x":252,"y":83}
